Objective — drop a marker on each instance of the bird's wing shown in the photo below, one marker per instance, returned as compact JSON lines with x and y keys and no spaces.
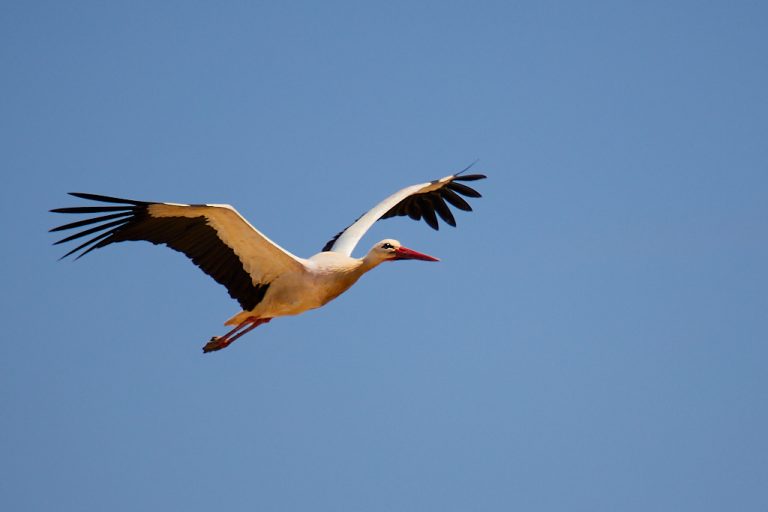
{"x":417,"y":202}
{"x":215,"y":237}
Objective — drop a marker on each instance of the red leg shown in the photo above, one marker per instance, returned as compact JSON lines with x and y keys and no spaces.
{"x":220,"y":342}
{"x":239,"y":326}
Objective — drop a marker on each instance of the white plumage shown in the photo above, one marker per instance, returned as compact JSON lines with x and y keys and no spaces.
{"x":264,"y":278}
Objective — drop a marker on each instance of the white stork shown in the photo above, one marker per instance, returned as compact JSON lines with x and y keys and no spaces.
{"x":264,"y":278}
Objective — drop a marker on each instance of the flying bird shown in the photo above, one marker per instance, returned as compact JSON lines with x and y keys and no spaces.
{"x":264,"y":278}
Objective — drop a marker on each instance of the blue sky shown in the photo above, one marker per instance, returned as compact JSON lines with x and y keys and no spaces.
{"x":594,"y":337}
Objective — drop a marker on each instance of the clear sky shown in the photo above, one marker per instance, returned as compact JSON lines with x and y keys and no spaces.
{"x":594,"y":338}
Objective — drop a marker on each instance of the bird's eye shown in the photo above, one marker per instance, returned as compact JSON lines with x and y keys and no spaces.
{"x":387,"y":246}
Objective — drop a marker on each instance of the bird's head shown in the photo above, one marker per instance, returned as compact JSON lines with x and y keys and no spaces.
{"x":390,"y":250}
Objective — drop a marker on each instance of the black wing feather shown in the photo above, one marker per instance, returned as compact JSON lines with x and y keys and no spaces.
{"x":464,"y":190}
{"x":96,"y":229}
{"x":92,"y":209}
{"x":428,"y":211}
{"x":73,"y":225}
{"x":412,"y":209}
{"x":442,"y":209}
{"x":86,"y":244}
{"x":470,"y":177}
{"x":455,"y":199}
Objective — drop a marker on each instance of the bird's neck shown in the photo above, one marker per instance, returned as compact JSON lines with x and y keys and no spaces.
{"x":352,"y":268}
{"x":336,"y":264}
{"x":369,"y":262}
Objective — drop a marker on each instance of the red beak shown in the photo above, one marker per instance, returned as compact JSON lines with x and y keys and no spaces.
{"x":404,"y":253}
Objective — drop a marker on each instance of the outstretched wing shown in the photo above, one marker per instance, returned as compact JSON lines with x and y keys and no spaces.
{"x":215,"y":237}
{"x":424,"y":201}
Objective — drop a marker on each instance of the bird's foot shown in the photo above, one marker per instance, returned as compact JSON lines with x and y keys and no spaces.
{"x":216,"y":343}
{"x":220,"y":342}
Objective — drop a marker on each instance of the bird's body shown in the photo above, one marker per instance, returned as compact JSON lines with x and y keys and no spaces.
{"x":264,"y":278}
{"x":325,"y":276}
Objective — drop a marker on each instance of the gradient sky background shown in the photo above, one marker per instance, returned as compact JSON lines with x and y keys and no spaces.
{"x":595,"y":337}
